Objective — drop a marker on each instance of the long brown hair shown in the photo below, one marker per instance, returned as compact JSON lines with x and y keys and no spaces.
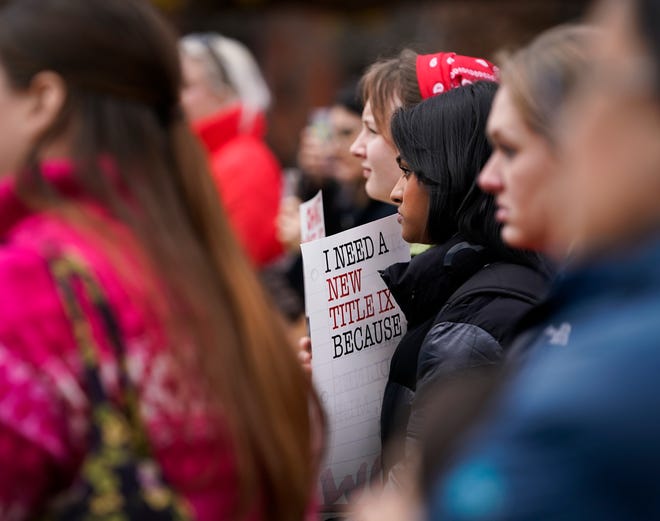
{"x":388,"y":84}
{"x":120,"y":64}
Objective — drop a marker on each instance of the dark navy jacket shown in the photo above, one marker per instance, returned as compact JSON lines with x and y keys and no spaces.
{"x":576,"y":433}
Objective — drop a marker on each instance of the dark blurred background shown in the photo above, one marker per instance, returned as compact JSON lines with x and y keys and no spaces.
{"x":307,"y":49}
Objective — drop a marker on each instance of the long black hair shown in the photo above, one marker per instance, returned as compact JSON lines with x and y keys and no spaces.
{"x":443,"y":141}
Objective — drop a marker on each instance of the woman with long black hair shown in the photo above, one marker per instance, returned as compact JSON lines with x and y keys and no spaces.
{"x":462,"y":296}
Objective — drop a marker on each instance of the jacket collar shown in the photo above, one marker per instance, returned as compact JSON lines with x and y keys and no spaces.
{"x":422,"y":286}
{"x":58,"y":173}
{"x":217,"y":130}
{"x":633,"y":269}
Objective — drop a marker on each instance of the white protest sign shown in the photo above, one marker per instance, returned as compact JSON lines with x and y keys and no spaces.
{"x":312,"y":223}
{"x":355,"y":325}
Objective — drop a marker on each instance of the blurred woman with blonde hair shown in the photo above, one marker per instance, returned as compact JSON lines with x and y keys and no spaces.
{"x":574,"y":434}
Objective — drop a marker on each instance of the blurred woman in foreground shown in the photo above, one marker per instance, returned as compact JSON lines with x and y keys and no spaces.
{"x":574,"y":434}
{"x":97,"y":162}
{"x":522,"y":173}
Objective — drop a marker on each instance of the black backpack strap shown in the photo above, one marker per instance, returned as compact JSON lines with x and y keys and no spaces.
{"x":513,"y":280}
{"x":76,"y":283}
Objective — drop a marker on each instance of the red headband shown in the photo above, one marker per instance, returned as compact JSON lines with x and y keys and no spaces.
{"x":440,"y":72}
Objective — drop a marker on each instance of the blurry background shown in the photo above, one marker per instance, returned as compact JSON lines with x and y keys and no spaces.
{"x":308,"y":48}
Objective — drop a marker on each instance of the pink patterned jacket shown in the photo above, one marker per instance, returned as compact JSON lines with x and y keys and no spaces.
{"x":43,"y":405}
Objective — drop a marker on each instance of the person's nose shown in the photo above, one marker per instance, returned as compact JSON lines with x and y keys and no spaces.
{"x":490,"y":178}
{"x":358,"y":148}
{"x":396,"y":195}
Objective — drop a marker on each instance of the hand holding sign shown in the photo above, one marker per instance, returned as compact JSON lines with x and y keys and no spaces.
{"x":355,"y":325}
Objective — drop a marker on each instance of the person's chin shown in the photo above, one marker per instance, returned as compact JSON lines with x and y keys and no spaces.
{"x":410,"y":238}
{"x":509,"y":235}
{"x":514,"y":237}
{"x":375,"y":194}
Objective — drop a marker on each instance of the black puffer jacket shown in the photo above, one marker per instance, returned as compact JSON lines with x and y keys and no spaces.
{"x":460,"y":302}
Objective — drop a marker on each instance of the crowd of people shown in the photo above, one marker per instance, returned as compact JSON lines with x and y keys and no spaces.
{"x":151,"y":277}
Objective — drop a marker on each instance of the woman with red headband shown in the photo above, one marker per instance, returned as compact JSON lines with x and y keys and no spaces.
{"x":463,"y":295}
{"x":443,"y":146}
{"x":404,"y":81}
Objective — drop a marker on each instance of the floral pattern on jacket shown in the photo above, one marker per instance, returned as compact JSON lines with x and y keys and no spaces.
{"x":44,"y":410}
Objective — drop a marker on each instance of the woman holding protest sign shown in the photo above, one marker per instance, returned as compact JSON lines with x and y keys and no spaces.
{"x":462,"y":296}
{"x":345,"y":202}
{"x":404,"y":80}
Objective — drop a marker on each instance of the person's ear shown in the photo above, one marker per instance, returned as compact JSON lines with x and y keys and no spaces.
{"x":47,"y":94}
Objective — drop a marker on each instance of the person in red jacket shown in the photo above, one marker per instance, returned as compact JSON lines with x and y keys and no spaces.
{"x":224,"y":98}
